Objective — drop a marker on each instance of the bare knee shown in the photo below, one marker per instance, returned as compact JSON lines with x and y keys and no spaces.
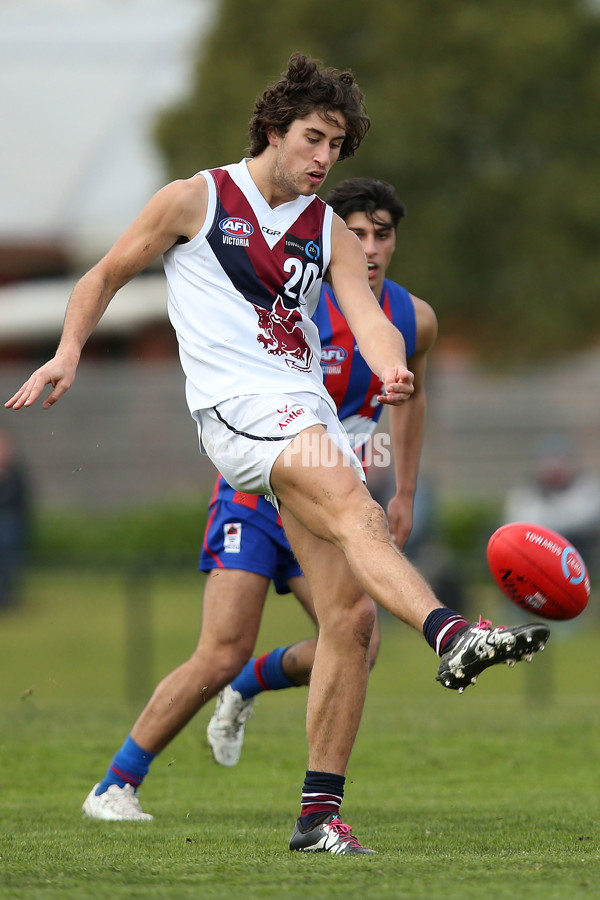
{"x":365,"y":520}
{"x":372,"y":521}
{"x":351,"y":624}
{"x":225,"y":660}
{"x":364,"y":613}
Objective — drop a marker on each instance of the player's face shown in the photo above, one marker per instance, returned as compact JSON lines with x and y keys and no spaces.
{"x":378,"y":237}
{"x":306,"y":153}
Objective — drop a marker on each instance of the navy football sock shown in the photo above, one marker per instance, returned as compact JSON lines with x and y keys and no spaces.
{"x":262,"y":674}
{"x":129,"y":766}
{"x":322,"y":794}
{"x":441,"y":625}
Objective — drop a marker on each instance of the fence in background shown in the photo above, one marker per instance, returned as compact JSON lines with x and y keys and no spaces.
{"x":123,"y":435}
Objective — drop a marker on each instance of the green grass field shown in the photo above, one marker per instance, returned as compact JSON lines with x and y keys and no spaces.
{"x":492,"y":794}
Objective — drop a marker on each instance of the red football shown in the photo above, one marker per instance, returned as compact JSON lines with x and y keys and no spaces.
{"x":539,"y":570}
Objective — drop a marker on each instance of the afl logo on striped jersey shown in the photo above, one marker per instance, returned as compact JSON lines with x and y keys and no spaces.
{"x":333,"y":354}
{"x":236,"y":227}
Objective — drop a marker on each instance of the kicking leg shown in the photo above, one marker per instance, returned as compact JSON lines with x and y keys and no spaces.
{"x":328,"y":498}
{"x":313,"y":480}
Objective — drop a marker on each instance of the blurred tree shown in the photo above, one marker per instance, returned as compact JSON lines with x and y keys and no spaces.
{"x":485,"y":118}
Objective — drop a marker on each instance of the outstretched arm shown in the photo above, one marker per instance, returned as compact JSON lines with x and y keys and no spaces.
{"x":380,"y":342}
{"x":176,"y":210}
{"x":407,"y":423}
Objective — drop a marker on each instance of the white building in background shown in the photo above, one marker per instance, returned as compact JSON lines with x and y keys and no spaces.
{"x":81,"y":82}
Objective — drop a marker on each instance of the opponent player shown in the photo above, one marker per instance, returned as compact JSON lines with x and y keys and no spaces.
{"x":244,"y":544}
{"x":245,"y":248}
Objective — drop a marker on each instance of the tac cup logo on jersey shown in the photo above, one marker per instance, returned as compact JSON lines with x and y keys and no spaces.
{"x":236,"y":231}
{"x":282,"y":334}
{"x":301,"y":247}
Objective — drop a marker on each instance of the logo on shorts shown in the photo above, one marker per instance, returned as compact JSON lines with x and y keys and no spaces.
{"x":232,"y":537}
{"x":291,"y":416}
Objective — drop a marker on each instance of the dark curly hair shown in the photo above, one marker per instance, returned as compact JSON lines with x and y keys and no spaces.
{"x":366,"y":195}
{"x":304,"y":88}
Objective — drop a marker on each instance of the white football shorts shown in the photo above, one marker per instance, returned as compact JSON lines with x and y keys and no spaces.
{"x":243,"y":436}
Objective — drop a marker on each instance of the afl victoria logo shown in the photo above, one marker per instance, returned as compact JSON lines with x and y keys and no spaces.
{"x":236,"y":227}
{"x":333,"y":354}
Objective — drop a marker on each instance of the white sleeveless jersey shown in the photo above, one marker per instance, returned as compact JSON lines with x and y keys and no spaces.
{"x":242,"y":291}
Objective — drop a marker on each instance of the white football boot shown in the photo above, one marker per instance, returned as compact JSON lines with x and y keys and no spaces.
{"x":225,"y":731}
{"x":117,"y":804}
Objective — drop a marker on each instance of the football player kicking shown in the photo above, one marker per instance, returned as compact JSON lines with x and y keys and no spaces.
{"x":245,"y":248}
{"x":244,"y":545}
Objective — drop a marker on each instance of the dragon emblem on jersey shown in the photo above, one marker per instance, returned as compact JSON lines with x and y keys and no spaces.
{"x":283,"y":335}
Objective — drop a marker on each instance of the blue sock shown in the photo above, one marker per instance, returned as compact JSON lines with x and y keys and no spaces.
{"x":262,"y":674}
{"x":129,"y":766}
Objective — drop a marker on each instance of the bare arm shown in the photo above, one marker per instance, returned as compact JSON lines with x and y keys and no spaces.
{"x":407,"y":423}
{"x":380,"y":342}
{"x":176,"y":210}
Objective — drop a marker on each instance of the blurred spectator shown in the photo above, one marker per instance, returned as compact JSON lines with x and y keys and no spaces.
{"x":14,"y":522}
{"x":561,"y":496}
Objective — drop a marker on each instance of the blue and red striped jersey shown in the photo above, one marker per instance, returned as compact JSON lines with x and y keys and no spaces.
{"x":347,"y":376}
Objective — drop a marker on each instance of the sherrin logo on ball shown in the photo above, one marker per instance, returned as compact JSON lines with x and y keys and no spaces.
{"x":539,"y":570}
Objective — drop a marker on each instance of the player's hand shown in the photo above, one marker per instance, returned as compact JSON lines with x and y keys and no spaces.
{"x":398,"y":385}
{"x":56,"y":372}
